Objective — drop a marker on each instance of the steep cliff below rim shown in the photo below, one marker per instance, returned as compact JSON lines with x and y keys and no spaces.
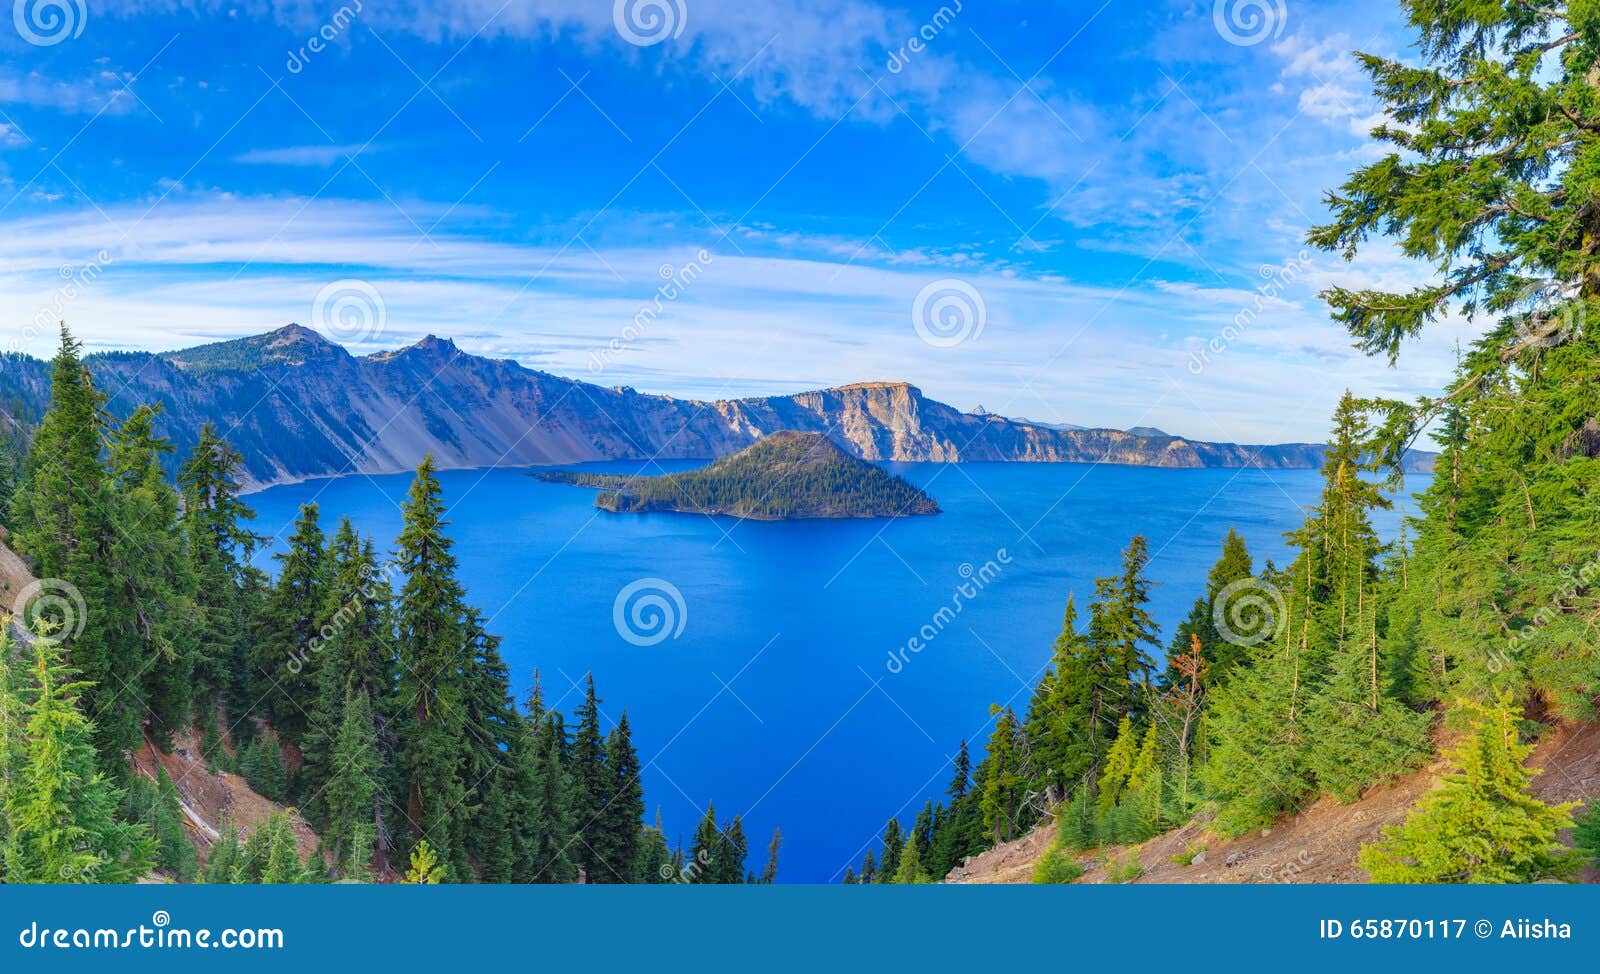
{"x":300,"y":407}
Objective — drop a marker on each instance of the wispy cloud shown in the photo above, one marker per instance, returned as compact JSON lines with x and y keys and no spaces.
{"x":303,"y":155}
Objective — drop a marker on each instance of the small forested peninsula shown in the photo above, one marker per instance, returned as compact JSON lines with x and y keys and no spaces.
{"x":785,"y":476}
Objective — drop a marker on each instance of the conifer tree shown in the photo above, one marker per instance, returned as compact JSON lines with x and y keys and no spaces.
{"x":432,"y":650}
{"x":1482,"y":826}
{"x":63,"y":526}
{"x":591,"y":781}
{"x":61,"y":813}
{"x":283,"y":659}
{"x":619,"y":825}
{"x":890,"y":862}
{"x":869,"y":869}
{"x":1002,"y":781}
{"x":548,"y":857}
{"x":731,"y":856}
{"x":218,"y":544}
{"x":154,"y":590}
{"x":1221,"y":655}
{"x":352,"y":791}
{"x":909,"y":872}
{"x":706,"y":864}
{"x":769,"y":874}
{"x":425,"y":869}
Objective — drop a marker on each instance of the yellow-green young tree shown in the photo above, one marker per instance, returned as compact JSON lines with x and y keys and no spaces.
{"x":1482,"y":826}
{"x":60,"y":813}
{"x":1491,"y":182}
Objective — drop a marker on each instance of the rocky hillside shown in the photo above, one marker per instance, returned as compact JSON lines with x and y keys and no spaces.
{"x":1319,"y":845}
{"x":298,"y":407}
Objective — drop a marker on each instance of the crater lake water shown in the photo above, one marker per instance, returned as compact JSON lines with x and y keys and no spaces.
{"x":778,"y":699}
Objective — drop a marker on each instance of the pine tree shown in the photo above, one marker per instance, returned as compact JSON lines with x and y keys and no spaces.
{"x":1488,"y":185}
{"x":548,"y":857}
{"x":1221,"y":655}
{"x":619,"y":826}
{"x":769,"y":874}
{"x":1001,"y":777}
{"x":432,"y":650}
{"x":61,"y":813}
{"x":153,"y":586}
{"x":869,"y":870}
{"x":352,"y":789}
{"x":909,"y":872}
{"x":284,"y":656}
{"x":731,"y":856}
{"x":706,"y":864}
{"x":591,"y":782}
{"x":218,"y":545}
{"x":1065,"y":716}
{"x":63,"y":526}
{"x":1482,"y":826}
{"x":890,"y":862}
{"x":1119,"y":766}
{"x":424,"y":869}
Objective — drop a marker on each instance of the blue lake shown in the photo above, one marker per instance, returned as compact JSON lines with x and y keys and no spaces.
{"x":777,"y":699}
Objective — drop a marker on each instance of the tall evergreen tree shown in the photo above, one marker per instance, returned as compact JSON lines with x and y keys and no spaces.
{"x":619,"y":825}
{"x":218,"y":544}
{"x":432,"y":653}
{"x":63,"y":525}
{"x":283,"y":658}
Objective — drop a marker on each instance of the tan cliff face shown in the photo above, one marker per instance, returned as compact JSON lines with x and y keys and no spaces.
{"x":300,"y":407}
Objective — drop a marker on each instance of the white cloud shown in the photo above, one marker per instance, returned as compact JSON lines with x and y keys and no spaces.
{"x":302,"y":155}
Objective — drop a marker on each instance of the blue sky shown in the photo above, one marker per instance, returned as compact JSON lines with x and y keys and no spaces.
{"x":1094,"y":191}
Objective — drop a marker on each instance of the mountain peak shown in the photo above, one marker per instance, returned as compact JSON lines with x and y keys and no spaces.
{"x":293,"y":344}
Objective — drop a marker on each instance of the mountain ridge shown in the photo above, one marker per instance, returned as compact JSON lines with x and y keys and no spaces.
{"x":301,"y":407}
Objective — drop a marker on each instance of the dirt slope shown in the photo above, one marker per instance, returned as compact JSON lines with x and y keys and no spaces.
{"x":1318,"y":845}
{"x":210,"y":799}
